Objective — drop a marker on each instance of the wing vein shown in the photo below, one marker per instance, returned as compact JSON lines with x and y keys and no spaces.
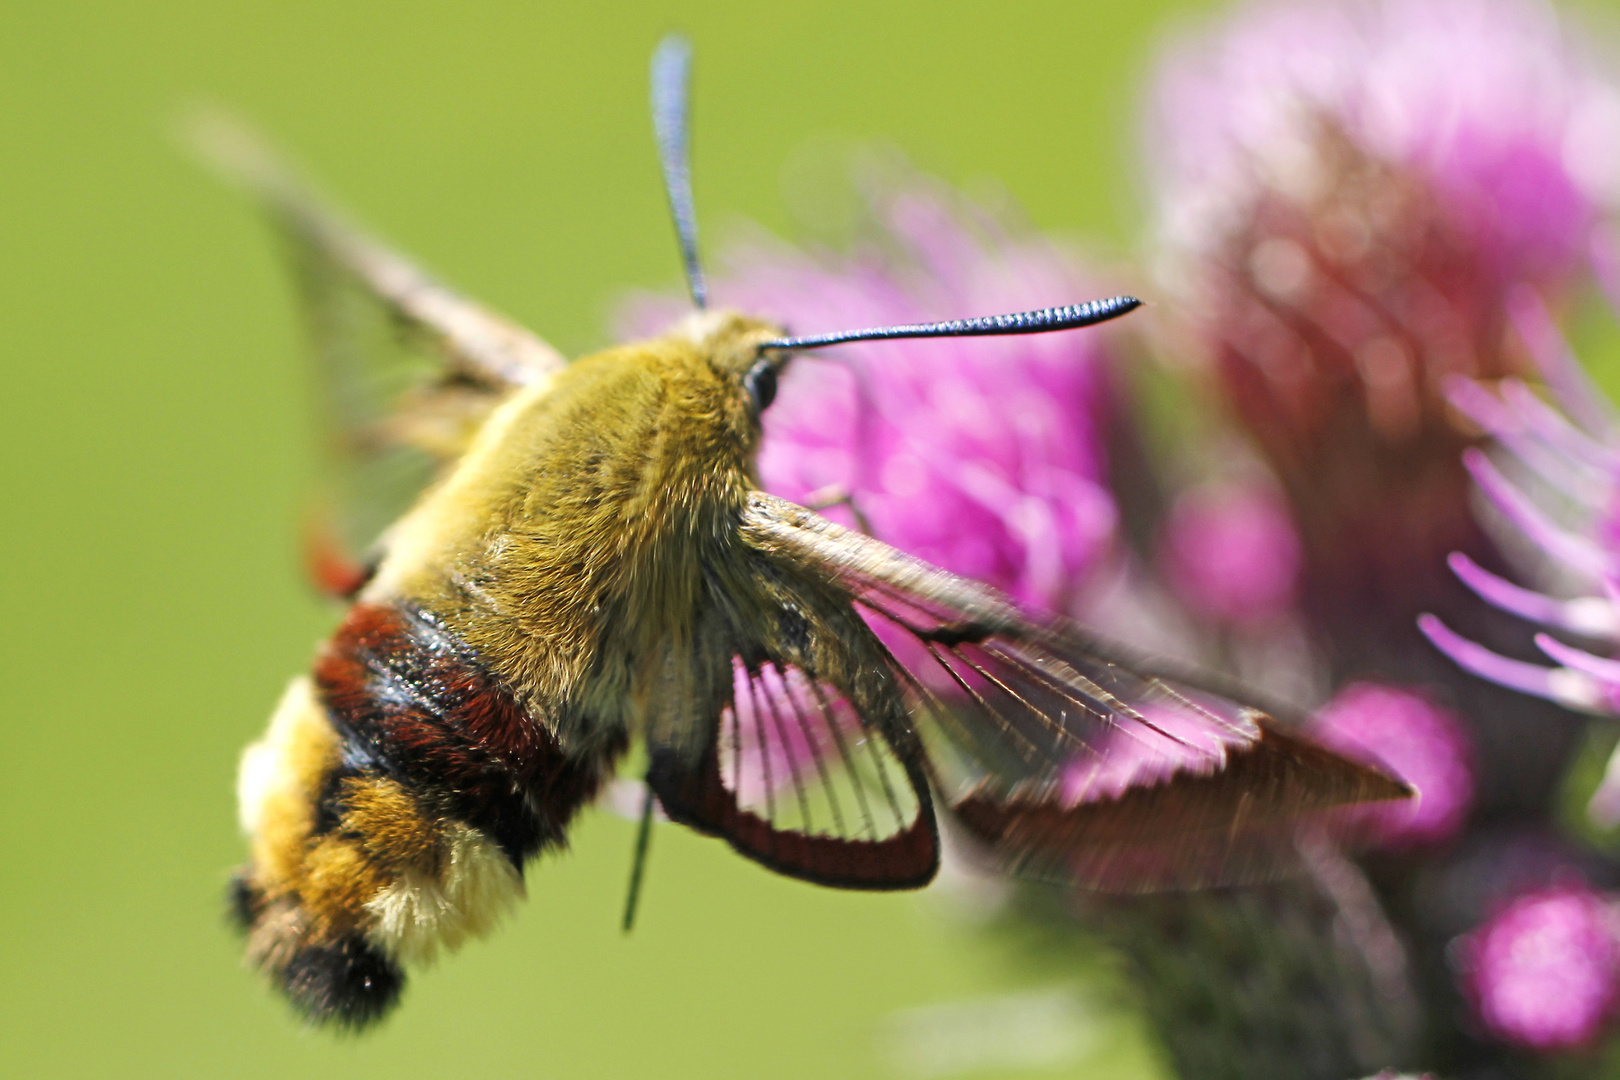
{"x":830,"y":719}
{"x":815,"y":757}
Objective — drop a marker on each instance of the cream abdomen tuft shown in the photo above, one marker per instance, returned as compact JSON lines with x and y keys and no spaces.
{"x":421,"y":911}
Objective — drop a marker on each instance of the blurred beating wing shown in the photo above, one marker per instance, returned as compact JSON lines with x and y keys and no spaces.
{"x":410,"y":368}
{"x":1062,"y":760}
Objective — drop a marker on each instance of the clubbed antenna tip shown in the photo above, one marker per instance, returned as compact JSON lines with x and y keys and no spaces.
{"x":1041,"y":321}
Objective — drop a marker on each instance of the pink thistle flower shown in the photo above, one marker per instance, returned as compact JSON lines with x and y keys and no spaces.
{"x":1422,"y":743}
{"x":1230,"y":553}
{"x":1544,"y":972}
{"x":1348,"y":196}
{"x":987,"y":456}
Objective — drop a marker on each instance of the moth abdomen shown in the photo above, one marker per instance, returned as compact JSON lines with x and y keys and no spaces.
{"x":392,"y":804}
{"x":354,"y":873}
{"x":322,"y":854}
{"x":330,"y":977}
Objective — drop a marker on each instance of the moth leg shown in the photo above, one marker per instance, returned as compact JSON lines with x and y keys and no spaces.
{"x":353,"y":875}
{"x":638,"y":866}
{"x":329,"y":563}
{"x":838,"y":495}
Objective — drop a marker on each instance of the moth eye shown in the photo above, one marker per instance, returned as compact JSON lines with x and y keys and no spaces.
{"x":760,"y":382}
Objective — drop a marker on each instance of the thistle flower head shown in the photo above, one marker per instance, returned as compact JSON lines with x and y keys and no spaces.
{"x":1494,"y":102}
{"x":1553,"y":478}
{"x":1544,"y":972}
{"x":1348,"y":195}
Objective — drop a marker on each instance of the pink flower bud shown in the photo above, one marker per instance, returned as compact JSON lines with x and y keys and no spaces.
{"x":1417,"y":740}
{"x":1544,"y":972}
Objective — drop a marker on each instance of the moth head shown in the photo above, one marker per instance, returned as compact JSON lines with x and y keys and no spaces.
{"x":733,"y":344}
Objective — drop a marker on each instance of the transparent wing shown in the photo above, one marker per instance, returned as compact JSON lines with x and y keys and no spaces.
{"x":786,"y":736}
{"x":797,"y":779}
{"x":1063,"y":758}
{"x":409,"y":368}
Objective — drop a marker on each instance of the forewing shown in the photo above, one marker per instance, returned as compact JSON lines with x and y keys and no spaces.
{"x":802,"y":757}
{"x":1061,"y":757}
{"x":409,"y":368}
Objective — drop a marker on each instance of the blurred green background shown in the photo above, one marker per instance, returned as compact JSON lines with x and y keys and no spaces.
{"x":156,"y":450}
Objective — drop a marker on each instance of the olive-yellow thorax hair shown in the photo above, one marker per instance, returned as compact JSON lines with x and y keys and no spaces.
{"x":568,"y":546}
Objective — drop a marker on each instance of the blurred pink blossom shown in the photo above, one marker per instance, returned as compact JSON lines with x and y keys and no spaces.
{"x":1544,"y":972}
{"x":1230,"y":553}
{"x":1417,"y":740}
{"x":1358,"y":206}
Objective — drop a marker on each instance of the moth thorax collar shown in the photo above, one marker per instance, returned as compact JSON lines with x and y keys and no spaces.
{"x":729,"y":338}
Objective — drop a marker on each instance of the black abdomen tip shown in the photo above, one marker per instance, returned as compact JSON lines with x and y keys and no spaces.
{"x":349,"y":983}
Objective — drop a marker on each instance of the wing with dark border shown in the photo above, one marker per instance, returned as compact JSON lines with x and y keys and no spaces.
{"x":797,"y":780}
{"x":409,"y":368}
{"x":1063,"y":757}
{"x":803,"y":757}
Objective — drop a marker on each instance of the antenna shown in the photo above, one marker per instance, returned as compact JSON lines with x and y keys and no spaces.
{"x":1042,"y":321}
{"x":671,"y":86}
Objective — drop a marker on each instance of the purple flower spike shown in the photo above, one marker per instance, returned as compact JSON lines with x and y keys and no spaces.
{"x":1533,"y":441}
{"x":1576,"y":391}
{"x":1554,"y":429}
{"x":1422,"y":743}
{"x":1577,"y":552}
{"x":1231,"y":553}
{"x":1544,"y":972}
{"x":1589,"y":615}
{"x":1354,"y":201}
{"x":1608,"y":671}
{"x":986,"y":456}
{"x":1570,"y":688}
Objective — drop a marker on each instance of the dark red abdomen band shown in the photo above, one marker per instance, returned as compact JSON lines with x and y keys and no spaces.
{"x":411,"y":700}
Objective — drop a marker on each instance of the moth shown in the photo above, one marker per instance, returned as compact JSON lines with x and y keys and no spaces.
{"x":586,"y":570}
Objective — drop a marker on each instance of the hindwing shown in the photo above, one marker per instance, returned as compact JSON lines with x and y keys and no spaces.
{"x":804,"y":758}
